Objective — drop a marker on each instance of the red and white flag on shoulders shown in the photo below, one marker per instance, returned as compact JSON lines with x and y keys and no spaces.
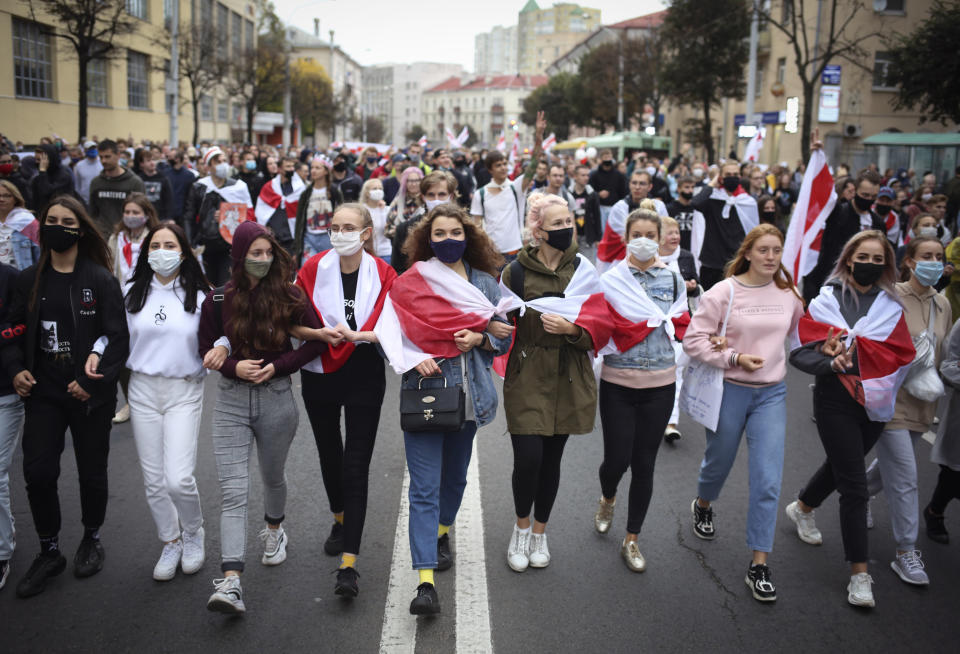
{"x":271,"y":197}
{"x":747,"y":212}
{"x":801,"y":247}
{"x":582,"y":303}
{"x":635,"y":316}
{"x":754,"y":145}
{"x":321,"y":280}
{"x":426,"y":306}
{"x":884,"y":348}
{"x":892,"y":223}
{"x":612,"y":247}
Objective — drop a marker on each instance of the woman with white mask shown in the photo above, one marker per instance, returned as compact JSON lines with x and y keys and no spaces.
{"x":371,"y":197}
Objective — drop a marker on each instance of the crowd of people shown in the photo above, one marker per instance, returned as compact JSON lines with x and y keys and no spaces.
{"x":591,"y":285}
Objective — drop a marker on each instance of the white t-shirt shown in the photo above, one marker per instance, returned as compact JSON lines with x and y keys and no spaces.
{"x":381,"y":244}
{"x":163,"y":336}
{"x":502,"y":214}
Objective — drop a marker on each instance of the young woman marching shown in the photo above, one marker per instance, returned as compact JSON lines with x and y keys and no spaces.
{"x":549,"y":389}
{"x":946,"y":449}
{"x":371,"y":197}
{"x":928,"y":316}
{"x":637,"y":379}
{"x":347,"y":286}
{"x":166,"y":390}
{"x":139,"y":217}
{"x":314,"y":210}
{"x":256,"y":312}
{"x":61,"y":306}
{"x":760,"y":306}
{"x":857,"y":378}
{"x":436,"y":322}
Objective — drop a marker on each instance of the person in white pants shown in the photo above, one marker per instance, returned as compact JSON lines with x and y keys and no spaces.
{"x":163,"y":299}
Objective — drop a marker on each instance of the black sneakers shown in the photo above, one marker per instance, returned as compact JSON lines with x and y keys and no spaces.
{"x":334,"y":543}
{"x":426,"y":602}
{"x":444,"y":558}
{"x":346,"y":585}
{"x":89,"y":558}
{"x":702,"y":521}
{"x":46,"y":565}
{"x":936,"y":530}
{"x":760,"y":584}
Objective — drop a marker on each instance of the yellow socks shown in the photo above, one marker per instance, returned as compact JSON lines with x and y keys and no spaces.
{"x":426,"y":577}
{"x":338,"y":517}
{"x":348,"y":561}
{"x":443,"y":530}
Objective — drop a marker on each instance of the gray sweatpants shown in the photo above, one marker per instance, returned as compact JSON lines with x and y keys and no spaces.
{"x":895,"y":470}
{"x":246,"y":413}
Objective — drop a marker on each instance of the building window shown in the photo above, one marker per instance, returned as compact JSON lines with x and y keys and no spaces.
{"x":889,"y":6}
{"x":236,"y":34}
{"x":206,"y":12}
{"x":206,"y":107}
{"x":248,"y":25}
{"x":137,"y":83}
{"x":781,"y":69}
{"x":32,"y":61}
{"x":881,"y":71}
{"x":97,"y":83}
{"x":223,"y":21}
{"x":223,"y":109}
{"x":137,"y":8}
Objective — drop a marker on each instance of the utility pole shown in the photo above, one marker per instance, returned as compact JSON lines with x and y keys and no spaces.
{"x":173,"y":81}
{"x":752,"y":67}
{"x":333,"y":85}
{"x":620,"y":126}
{"x":286,"y":89}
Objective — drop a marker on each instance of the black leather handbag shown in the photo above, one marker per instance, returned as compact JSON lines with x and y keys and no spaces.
{"x":432,"y":409}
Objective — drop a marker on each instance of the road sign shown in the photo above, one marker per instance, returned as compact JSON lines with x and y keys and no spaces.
{"x":831,"y":75}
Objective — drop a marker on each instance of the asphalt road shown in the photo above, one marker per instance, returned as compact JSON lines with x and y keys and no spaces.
{"x":691,"y":598}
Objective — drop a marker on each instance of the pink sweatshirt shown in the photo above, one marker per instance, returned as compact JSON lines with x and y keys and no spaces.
{"x":760,"y":320}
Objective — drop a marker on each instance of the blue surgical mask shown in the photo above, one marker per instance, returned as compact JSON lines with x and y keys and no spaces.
{"x":928,"y":272}
{"x":92,"y":153}
{"x":250,"y":165}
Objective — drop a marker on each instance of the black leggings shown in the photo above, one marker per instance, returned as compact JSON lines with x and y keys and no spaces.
{"x":710,"y":277}
{"x":847,"y":435}
{"x":633,"y":421}
{"x":344,"y":463}
{"x":536,"y":473}
{"x":217,"y":266}
{"x":948,"y":488}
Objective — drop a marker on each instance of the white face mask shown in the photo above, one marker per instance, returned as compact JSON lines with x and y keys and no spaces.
{"x":698,"y":172}
{"x":435,"y":203}
{"x":133,"y":221}
{"x":346,"y":243}
{"x":643,"y":248}
{"x":164,"y":262}
{"x":221,"y":171}
{"x":930,"y":232}
{"x":651,"y":171}
{"x":376,"y":194}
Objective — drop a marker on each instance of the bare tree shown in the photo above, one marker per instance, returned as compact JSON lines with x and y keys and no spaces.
{"x":255,"y":79}
{"x":91,"y":27}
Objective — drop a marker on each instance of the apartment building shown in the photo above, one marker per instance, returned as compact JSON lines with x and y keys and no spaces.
{"x":393,"y":93}
{"x":543,"y":35}
{"x":495,"y":52}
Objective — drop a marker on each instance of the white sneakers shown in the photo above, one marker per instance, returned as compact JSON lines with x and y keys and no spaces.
{"x":517,"y":552}
{"x":806,"y":527}
{"x":193,"y":552}
{"x":859,"y":592}
{"x":227,"y":596}
{"x":166,"y":568}
{"x":539,"y":552}
{"x":274,"y":545}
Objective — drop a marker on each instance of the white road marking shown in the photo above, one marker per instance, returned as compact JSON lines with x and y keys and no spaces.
{"x":399,"y":632}
{"x":473,"y":607}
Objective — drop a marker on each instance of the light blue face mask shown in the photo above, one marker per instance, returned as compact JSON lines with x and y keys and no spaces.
{"x":928,"y":272}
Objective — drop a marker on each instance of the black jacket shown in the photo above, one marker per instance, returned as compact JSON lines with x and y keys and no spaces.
{"x":97,"y":307}
{"x":349,"y":186}
{"x":841,"y":225}
{"x":56,"y":180}
{"x":300,"y":227}
{"x":198,"y":217}
{"x":589,"y":212}
{"x":160,"y":192}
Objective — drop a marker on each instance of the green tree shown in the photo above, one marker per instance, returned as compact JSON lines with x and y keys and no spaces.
{"x":933,"y":89}
{"x":375,"y":129}
{"x":558,"y":94}
{"x":200,"y":65}
{"x":705,"y":47}
{"x":312,"y":96}
{"x":414,"y":133}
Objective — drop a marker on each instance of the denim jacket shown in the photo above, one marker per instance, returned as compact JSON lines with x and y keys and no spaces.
{"x":25,"y":251}
{"x":655,"y":352}
{"x":480,"y":381}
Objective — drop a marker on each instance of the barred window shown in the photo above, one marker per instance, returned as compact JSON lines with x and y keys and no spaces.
{"x":97,"y":83}
{"x":137,"y":81}
{"x":137,"y":8}
{"x":32,"y":61}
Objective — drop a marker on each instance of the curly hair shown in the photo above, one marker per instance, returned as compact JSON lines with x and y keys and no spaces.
{"x":481,"y":253}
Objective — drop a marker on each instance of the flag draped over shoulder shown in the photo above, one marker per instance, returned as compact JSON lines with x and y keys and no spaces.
{"x":818,"y":195}
{"x":746,"y":211}
{"x":271,"y":197}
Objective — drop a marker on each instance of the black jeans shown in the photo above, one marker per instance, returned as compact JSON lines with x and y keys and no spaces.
{"x":217,"y":265}
{"x":536,"y":473}
{"x":633,"y":421}
{"x":710,"y":276}
{"x":44,"y":432}
{"x":847,"y":435}
{"x":948,"y":488}
{"x":344,"y":463}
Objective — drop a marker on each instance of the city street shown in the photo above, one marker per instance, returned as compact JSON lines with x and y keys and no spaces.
{"x":692,"y":596}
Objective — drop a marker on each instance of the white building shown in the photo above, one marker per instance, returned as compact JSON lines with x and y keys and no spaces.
{"x":495,"y":52}
{"x":393,"y":93}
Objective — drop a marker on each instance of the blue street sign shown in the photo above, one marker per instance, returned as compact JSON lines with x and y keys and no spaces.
{"x":831,"y":75}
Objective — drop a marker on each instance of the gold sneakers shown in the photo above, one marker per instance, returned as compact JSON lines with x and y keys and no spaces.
{"x":632,"y":556}
{"x":604,"y":515}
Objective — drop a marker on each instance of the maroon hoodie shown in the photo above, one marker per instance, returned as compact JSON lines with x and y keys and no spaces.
{"x":285,"y":360}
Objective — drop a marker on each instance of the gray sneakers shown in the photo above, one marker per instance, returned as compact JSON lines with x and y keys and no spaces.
{"x":227,"y":596}
{"x":909,"y":567}
{"x":274,"y":545}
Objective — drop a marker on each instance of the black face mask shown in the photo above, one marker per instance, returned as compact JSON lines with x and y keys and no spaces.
{"x":862,"y":204}
{"x":60,"y":238}
{"x":560,"y":239}
{"x":768,"y":216}
{"x":730,"y":183}
{"x":884,"y":209}
{"x":866,"y":273}
{"x":607,"y":164}
{"x":288,"y":174}
{"x":340,"y":166}
{"x":686,"y":196}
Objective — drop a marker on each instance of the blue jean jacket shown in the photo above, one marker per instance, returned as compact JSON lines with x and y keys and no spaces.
{"x":479,"y":361}
{"x":25,"y":251}
{"x":655,"y":352}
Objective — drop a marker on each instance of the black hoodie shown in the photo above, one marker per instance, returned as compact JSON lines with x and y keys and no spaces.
{"x":56,"y":180}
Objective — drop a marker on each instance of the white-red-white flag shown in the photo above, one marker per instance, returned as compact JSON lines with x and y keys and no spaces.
{"x":462,"y":136}
{"x":818,"y":195}
{"x":271,"y":197}
{"x":549,"y":142}
{"x":754,"y":145}
{"x":515,"y":150}
{"x":423,"y":141}
{"x":502,"y":142}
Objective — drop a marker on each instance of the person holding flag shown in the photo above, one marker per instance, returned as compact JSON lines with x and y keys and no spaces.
{"x":648,"y":304}
{"x":855,"y":339}
{"x":549,"y":388}
{"x":437,"y":324}
{"x":279,"y":199}
{"x":760,"y":306}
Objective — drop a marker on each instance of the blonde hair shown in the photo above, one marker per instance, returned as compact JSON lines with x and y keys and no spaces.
{"x":366,"y":188}
{"x":537,"y":205}
{"x":889,"y":277}
{"x":18,"y":200}
{"x":666,"y":222}
{"x":366,"y":220}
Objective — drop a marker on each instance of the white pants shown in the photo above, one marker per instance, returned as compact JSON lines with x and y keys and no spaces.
{"x":165,"y":414}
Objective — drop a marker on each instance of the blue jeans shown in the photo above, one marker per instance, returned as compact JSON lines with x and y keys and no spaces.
{"x":11,"y":426}
{"x":315,"y":244}
{"x":762,"y":411}
{"x":437,"y":463}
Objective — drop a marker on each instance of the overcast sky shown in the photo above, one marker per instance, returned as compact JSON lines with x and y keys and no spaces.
{"x":404,"y":31}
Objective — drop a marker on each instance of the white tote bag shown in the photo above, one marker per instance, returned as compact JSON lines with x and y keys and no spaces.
{"x":702,"y":391}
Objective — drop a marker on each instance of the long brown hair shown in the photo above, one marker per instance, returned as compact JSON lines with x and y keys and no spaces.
{"x":911,"y":253}
{"x":889,"y":277}
{"x":739,"y":264}
{"x":145,"y":205}
{"x":91,"y":245}
{"x":480,"y":253}
{"x":262,"y":321}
